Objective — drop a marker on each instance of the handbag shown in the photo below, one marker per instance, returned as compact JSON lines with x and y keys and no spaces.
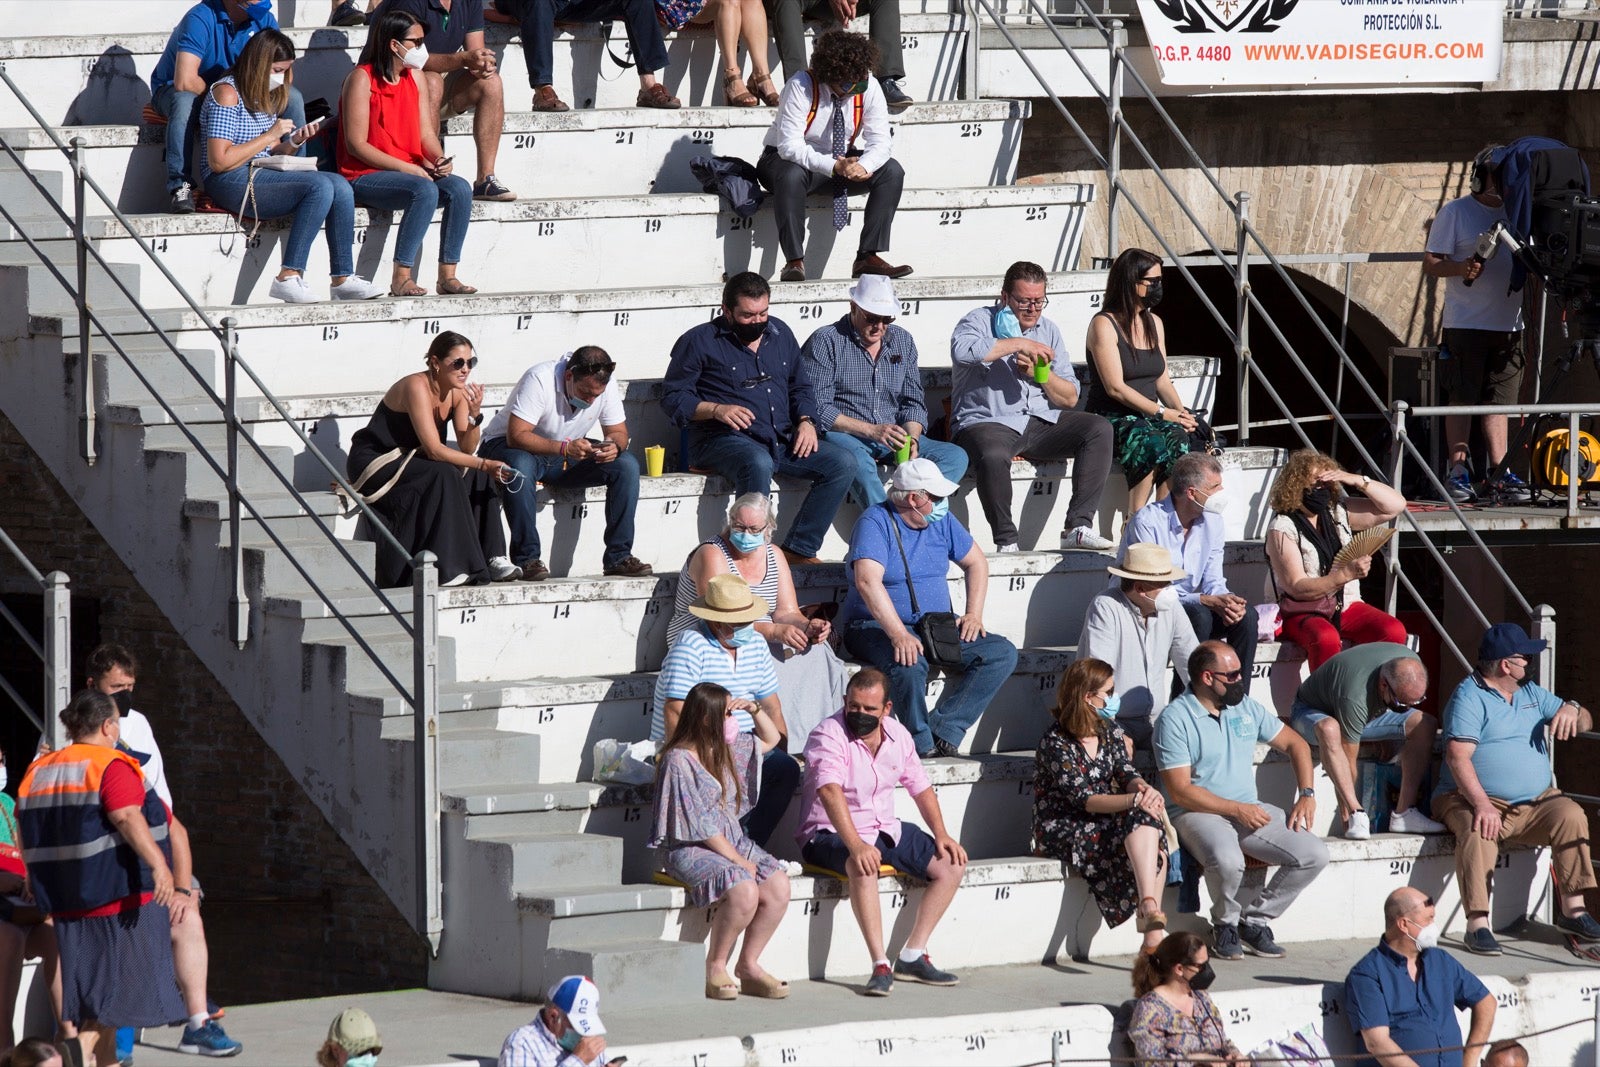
{"x":1203,"y":438}
{"x":940,"y":631}
{"x":676,"y":14}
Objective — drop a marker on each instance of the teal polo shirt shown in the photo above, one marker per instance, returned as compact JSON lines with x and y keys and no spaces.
{"x":1512,"y":759}
{"x":1219,"y":750}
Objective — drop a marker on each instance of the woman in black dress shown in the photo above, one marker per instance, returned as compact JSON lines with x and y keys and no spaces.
{"x":1092,"y":811}
{"x":430,"y":495}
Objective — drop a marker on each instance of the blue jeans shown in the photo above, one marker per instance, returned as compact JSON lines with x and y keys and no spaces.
{"x":750,"y":465}
{"x":985,"y":665}
{"x":868,"y":485}
{"x":419,"y":198}
{"x":537,"y":20}
{"x":620,"y":477}
{"x":316,"y":199}
{"x":182,"y":112}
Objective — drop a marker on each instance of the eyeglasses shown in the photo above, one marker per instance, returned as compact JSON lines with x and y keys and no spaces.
{"x":935,"y":499}
{"x":1030,"y":305}
{"x":414,"y":41}
{"x":1149,"y":278}
{"x":461,"y":361}
{"x":876,"y":320}
{"x":1230,"y":676}
{"x":739,"y":527}
{"x":751,"y":383}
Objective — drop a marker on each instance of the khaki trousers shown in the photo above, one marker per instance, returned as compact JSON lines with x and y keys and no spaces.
{"x":1548,"y":819}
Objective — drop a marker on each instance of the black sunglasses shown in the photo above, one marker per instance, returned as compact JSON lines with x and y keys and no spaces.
{"x":415,"y":40}
{"x":1231,"y":676}
{"x":461,"y":361}
{"x":751,"y":383}
{"x":877,"y":320}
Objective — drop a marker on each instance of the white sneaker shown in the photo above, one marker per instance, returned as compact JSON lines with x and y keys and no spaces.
{"x":501,"y":569}
{"x":1085,"y":538}
{"x":1412,"y":821}
{"x":292,"y":290}
{"x":356,"y":287}
{"x":1007,"y":548}
{"x":1358,"y":827}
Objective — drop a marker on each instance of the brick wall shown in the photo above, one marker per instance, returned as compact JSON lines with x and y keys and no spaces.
{"x":289,"y":909}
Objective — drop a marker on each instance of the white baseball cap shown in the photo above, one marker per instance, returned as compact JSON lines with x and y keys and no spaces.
{"x":874,"y":294}
{"x":923,"y":475}
{"x":580,"y":999}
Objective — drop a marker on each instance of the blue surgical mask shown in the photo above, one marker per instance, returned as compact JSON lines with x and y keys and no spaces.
{"x":1006,"y":324}
{"x":940,"y":510}
{"x":258,"y":9}
{"x":746,"y":542}
{"x":1113,"y":704}
{"x":366,"y":1059}
{"x":570,"y":1040}
{"x":744,"y":635}
{"x":577,"y":402}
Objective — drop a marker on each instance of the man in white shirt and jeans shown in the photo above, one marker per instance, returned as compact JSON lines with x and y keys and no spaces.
{"x":1482,"y":326}
{"x":542,"y":434}
{"x":812,"y":146}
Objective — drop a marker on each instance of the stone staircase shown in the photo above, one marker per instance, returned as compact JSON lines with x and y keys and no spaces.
{"x":611,"y":244}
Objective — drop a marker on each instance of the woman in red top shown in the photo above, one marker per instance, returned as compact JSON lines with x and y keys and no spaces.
{"x":392,"y":156}
{"x":25,"y":931}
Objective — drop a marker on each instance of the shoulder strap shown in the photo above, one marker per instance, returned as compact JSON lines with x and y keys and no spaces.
{"x":911,"y":587}
{"x":811,"y":115}
{"x":860,"y":109}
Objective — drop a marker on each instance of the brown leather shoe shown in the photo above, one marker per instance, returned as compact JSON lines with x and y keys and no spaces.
{"x":793,"y":271}
{"x":872,"y":263}
{"x":631,"y":567}
{"x":657,"y":96}
{"x":545,"y":99}
{"x":797,"y":560}
{"x":534,"y":571}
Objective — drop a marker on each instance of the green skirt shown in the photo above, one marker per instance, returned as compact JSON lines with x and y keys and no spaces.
{"x":1145,"y":446}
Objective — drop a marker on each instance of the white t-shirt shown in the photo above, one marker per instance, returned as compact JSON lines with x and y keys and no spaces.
{"x":138,"y":736}
{"x":1485,"y":305}
{"x":540,"y":399}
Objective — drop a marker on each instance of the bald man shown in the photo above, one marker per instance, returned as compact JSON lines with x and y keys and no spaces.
{"x":1405,"y":992}
{"x":1506,"y":1053}
{"x":1370,"y":693}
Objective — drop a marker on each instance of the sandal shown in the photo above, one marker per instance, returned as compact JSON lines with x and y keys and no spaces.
{"x":766,"y":986}
{"x":770,"y":95}
{"x":735,"y":93}
{"x":455,"y":287}
{"x":1154,"y":919}
{"x":721,"y":987}
{"x":410,"y":288}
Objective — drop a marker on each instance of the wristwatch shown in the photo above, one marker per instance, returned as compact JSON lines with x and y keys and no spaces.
{"x":477,"y":420}
{"x":1308,"y":794}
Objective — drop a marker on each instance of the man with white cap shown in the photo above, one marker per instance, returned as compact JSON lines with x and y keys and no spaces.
{"x":1138,"y":626}
{"x":566,"y":1032}
{"x":864,"y":372}
{"x":900,"y":555}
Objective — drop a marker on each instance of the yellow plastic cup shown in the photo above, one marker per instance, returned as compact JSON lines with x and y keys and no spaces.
{"x":655,"y":460}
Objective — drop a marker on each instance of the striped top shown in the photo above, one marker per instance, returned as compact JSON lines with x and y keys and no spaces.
{"x":236,"y":124}
{"x":766,"y":588}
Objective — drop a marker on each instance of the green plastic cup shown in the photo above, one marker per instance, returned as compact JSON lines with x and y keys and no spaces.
{"x":1041,"y":372}
{"x":903,"y":453}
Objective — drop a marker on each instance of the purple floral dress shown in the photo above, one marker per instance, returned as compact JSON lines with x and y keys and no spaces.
{"x":1064,"y":777}
{"x":1162,"y":1035}
{"x":691,"y":806}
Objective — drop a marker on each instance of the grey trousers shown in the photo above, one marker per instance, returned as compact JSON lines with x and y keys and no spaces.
{"x":788,"y":29}
{"x":1220,"y":844}
{"x":1076,"y":435}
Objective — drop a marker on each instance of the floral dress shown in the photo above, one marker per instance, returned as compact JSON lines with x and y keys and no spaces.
{"x":1162,"y":1035}
{"x":691,"y":806}
{"x":1064,"y":777}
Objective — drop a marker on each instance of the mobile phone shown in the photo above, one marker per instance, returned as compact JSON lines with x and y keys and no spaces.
{"x":304,"y":133}
{"x":444,"y":161}
{"x":618,"y":1062}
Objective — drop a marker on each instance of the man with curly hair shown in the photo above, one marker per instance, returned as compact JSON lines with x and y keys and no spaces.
{"x":813,"y":145}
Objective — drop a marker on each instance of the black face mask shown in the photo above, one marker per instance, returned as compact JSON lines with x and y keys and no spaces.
{"x":124,"y":700}
{"x":1202,"y":981}
{"x":1153,"y":292}
{"x":747,"y":332}
{"x":1232,"y":693}
{"x":1318,"y":499}
{"x":860,"y":723}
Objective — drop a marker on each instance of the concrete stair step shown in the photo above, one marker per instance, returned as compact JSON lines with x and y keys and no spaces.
{"x":286,"y":516}
{"x":643,"y":971}
{"x":258,"y":471}
{"x":472,"y":757}
{"x":543,"y":860}
{"x":335,"y":664}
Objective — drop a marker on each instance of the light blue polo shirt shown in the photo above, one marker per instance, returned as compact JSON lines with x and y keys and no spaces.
{"x":1512,"y":759}
{"x":698,"y":657}
{"x":1219,"y":750}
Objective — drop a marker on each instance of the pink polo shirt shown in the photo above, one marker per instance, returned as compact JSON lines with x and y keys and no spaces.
{"x":833,"y":757}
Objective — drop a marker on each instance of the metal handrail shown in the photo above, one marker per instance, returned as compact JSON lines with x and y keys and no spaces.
{"x":422,"y":627}
{"x":54,"y":653}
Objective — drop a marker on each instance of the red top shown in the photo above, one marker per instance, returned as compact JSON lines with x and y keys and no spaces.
{"x":120,"y":787}
{"x":394,"y":124}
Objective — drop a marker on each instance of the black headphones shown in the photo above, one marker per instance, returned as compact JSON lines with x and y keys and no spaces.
{"x":1482,"y":166}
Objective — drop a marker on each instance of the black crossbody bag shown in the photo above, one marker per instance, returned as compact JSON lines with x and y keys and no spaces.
{"x":940,"y":631}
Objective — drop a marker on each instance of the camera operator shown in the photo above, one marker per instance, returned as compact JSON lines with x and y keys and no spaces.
{"x":1482,"y":327}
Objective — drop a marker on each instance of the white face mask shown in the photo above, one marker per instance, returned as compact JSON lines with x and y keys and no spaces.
{"x":1167,"y":598}
{"x":1427,"y":937}
{"x":416,"y":57}
{"x":3,"y":778}
{"x":1216,"y":503}
{"x":275,"y":79}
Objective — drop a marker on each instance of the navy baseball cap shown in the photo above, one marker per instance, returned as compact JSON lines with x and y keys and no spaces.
{"x":1505,"y":639}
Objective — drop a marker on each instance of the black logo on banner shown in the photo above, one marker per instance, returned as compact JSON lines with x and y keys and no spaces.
{"x":1212,"y":16}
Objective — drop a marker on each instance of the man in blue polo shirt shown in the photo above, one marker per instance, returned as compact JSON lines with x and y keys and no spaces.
{"x":1497,"y":789}
{"x":726,"y":649}
{"x":204,"y":47}
{"x":1404,"y":993}
{"x":738,"y":384}
{"x":1205,"y":744}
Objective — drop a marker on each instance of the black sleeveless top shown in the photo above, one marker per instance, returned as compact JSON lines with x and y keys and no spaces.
{"x":1141,"y":369}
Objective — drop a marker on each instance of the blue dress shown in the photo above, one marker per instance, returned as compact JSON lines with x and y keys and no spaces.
{"x":691,"y":806}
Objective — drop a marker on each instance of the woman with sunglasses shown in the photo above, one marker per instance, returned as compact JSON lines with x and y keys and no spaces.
{"x":391,"y":155}
{"x":707,"y":777}
{"x":1174,"y":1021}
{"x":1092,"y":810}
{"x":1128,"y":382}
{"x":430,"y":495}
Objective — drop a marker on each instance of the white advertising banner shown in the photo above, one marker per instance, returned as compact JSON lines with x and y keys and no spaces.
{"x":1324,"y":42}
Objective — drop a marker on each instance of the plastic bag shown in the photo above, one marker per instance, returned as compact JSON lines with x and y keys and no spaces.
{"x":625,"y":762}
{"x":1303,"y":1046}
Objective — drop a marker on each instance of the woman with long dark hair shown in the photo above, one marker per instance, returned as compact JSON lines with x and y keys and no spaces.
{"x":390,"y":154}
{"x":706,"y":779}
{"x":1092,"y":811}
{"x":1128,"y":382}
{"x":430,"y":495}
{"x":1174,"y":1021}
{"x":242,"y":124}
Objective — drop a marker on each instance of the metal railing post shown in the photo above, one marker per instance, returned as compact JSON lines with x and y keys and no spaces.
{"x":1572,"y":465}
{"x":1544,"y":629}
{"x":57,"y":655}
{"x":1055,"y":1042}
{"x":1118,"y":41}
{"x":86,"y":427}
{"x":1241,"y":315}
{"x":969,"y":74}
{"x":238,"y":602}
{"x":425,"y":743}
{"x":1397,"y":430}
